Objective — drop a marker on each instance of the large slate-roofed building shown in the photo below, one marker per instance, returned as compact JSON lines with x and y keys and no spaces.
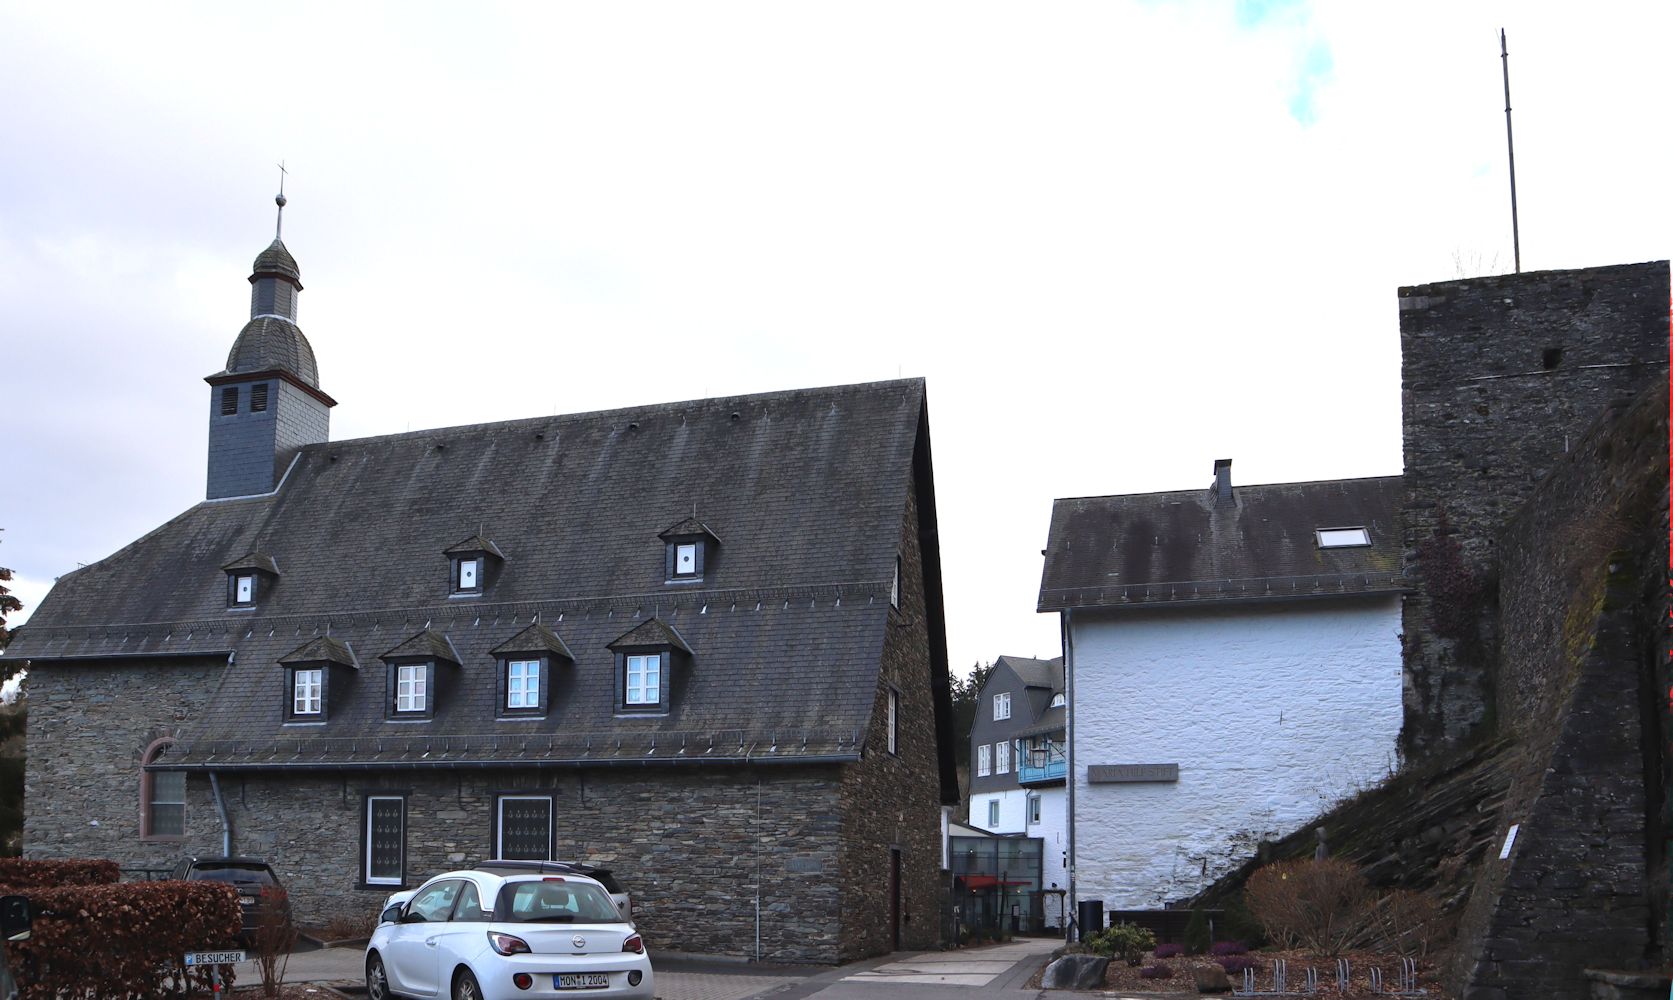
{"x":1232,"y":661}
{"x":700,"y":643}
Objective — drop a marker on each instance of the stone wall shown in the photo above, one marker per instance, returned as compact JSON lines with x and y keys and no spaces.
{"x":1499,"y":376}
{"x":1574,"y":675}
{"x":891,"y":802}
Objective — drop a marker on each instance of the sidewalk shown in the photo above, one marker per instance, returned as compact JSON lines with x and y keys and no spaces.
{"x":996,"y":970}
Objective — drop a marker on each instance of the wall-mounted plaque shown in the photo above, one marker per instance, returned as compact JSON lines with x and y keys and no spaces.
{"x":1110,"y":774}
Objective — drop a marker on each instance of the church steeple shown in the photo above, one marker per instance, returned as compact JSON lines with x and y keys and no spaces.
{"x":267,"y":402}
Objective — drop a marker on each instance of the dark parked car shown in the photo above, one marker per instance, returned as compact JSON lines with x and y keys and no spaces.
{"x":249,"y":876}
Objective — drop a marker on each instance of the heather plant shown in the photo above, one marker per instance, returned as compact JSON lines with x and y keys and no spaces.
{"x":1169,"y":950}
{"x":1156,"y":972}
{"x":1223,"y":948}
{"x":1235,"y":964}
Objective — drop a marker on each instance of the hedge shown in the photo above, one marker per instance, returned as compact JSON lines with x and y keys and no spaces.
{"x":123,"y":940}
{"x":18,"y":874}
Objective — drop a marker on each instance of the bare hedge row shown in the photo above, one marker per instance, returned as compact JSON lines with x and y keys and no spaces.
{"x":96,"y":937}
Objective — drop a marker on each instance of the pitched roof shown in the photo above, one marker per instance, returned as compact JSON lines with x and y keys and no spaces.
{"x":808,"y":486}
{"x":537,"y":638}
{"x":1184,"y":547}
{"x":473,"y":545}
{"x":1050,"y":721}
{"x":323,"y":649}
{"x":687,"y":527}
{"x":1036,"y":673}
{"x":652,"y":632}
{"x":255,"y":561}
{"x":428,"y":644}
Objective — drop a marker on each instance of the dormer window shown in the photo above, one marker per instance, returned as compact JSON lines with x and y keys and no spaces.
{"x":645,"y":661}
{"x":689,"y":550}
{"x":1343,"y":538}
{"x":248,"y":577}
{"x":317,"y":673}
{"x":469,"y":564}
{"x":1057,"y":701}
{"x":418,"y":670}
{"x":527,"y":662}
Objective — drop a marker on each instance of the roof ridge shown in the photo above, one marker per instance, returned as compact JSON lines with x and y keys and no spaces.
{"x":1238,"y":487}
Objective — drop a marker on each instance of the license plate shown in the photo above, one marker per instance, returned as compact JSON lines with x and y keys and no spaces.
{"x":247,"y":900}
{"x":581,"y":981}
{"x":195,"y":958}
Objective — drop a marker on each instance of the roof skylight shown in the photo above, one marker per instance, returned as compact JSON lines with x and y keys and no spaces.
{"x":1343,"y":538}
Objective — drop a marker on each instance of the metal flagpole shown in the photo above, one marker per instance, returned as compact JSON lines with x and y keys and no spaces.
{"x":1515,"y":232}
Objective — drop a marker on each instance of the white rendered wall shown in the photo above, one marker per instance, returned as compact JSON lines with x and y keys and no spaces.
{"x":1272,"y":712}
{"x":1053,"y":830}
{"x":1013,"y":815}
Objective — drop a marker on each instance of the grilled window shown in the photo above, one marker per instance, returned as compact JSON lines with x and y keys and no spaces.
{"x":229,"y":401}
{"x":386,"y":839}
{"x":525,"y":827}
{"x":258,"y":397}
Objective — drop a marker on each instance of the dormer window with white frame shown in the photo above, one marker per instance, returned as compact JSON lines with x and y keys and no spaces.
{"x":646,"y":658}
{"x":469,"y":564}
{"x":313,"y":672}
{"x":527,"y":662}
{"x":248,"y":578}
{"x":1002,"y":706}
{"x":1343,"y":538}
{"x":689,"y":550}
{"x":418,"y":670}
{"x":307,"y":687}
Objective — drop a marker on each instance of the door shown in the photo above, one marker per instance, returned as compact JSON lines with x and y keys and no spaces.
{"x":894,"y":898}
{"x":413,"y":962}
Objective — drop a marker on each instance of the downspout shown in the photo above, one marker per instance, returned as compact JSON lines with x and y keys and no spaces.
{"x":221,"y":811}
{"x":1069,"y":764}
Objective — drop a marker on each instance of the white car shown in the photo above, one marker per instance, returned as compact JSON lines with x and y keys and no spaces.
{"x":484,"y":935}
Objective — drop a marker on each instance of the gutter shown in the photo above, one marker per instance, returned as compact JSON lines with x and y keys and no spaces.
{"x":448,"y":765}
{"x":221,"y":811}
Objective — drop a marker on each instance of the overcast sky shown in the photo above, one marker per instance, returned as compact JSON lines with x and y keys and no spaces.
{"x":1119,"y":240}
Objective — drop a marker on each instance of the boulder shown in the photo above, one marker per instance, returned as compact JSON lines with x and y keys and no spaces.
{"x":1075,"y":972}
{"x":1210,"y":979}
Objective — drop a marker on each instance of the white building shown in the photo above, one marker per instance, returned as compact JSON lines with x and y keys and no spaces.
{"x":1017,"y":764}
{"x":1232,"y":664}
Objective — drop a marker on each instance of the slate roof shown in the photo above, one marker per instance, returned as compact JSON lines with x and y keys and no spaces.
{"x":809,"y":487}
{"x":1036,"y":673}
{"x":651,"y":632}
{"x":426,"y":645}
{"x":1184,"y":548}
{"x":686,"y":528}
{"x":276,"y":259}
{"x":256,"y":561}
{"x":537,"y":638}
{"x":324,"y":649}
{"x":269,"y":343}
{"x":473,"y":545}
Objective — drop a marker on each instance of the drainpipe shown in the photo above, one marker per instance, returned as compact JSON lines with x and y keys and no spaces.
{"x":221,"y":811}
{"x":1069,"y":763}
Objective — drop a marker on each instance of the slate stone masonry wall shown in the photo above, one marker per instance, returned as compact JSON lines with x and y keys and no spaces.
{"x":1499,"y":376}
{"x":1576,"y":668}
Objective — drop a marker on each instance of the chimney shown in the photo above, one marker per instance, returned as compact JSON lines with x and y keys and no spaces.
{"x":1223,"y":483}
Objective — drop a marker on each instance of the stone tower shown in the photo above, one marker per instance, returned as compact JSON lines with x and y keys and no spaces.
{"x":267,"y":402}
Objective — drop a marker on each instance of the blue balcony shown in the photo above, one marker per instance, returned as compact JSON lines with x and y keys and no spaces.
{"x":1041,"y":765}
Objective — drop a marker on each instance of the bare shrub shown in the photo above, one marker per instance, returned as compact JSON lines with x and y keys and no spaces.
{"x":273,"y":938}
{"x":351,"y":926}
{"x":1408,"y":922}
{"x":1319,"y":905}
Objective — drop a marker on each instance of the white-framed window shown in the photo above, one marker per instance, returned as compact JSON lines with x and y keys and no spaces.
{"x":894,"y":721}
{"x":993,"y":813}
{"x":470,"y":574}
{"x":386,"y":840}
{"x":305,"y":691}
{"x":1034,"y":809}
{"x":522,"y":686}
{"x":1057,"y":701}
{"x":1343,"y":538}
{"x":244,"y":589}
{"x":644,"y":679}
{"x":1002,"y":706}
{"x":894,"y":587}
{"x":525,"y":827}
{"x":1002,"y":757}
{"x":984,"y":761}
{"x":685,"y":559}
{"x":410,"y":687}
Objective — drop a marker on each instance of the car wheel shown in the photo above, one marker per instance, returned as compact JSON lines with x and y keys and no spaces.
{"x":377,"y":983}
{"x":464,"y":986}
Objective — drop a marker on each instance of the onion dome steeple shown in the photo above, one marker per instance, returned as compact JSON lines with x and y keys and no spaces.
{"x":267,"y":402}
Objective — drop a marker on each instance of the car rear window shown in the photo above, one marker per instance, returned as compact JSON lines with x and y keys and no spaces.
{"x":555,"y":901}
{"x":235,"y":876}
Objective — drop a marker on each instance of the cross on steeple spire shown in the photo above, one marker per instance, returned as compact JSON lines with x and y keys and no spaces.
{"x":279,"y":228}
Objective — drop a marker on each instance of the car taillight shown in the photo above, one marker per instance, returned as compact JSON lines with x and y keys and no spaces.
{"x":635,"y":944}
{"x":508,"y":944}
{"x":522,"y":980}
